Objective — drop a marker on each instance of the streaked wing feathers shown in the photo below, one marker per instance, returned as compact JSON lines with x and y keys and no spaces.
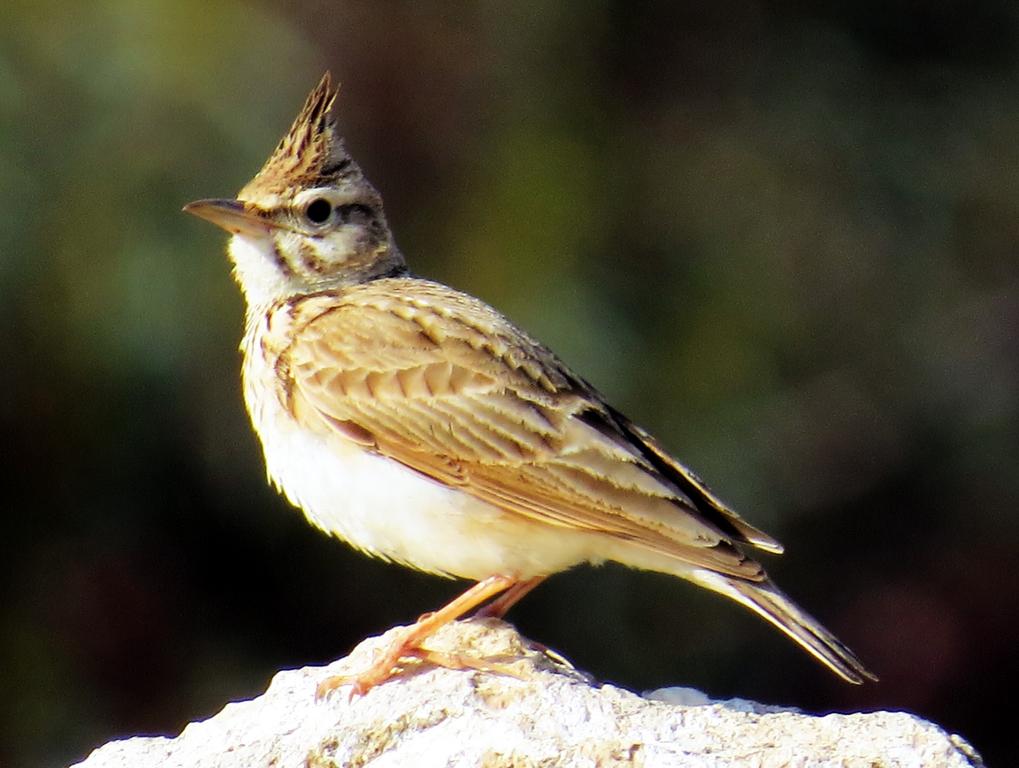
{"x":443,"y":384}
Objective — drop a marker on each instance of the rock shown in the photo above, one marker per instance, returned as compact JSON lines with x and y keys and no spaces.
{"x":537,"y":712}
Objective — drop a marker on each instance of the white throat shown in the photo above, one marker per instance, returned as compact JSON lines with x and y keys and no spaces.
{"x":257,"y":271}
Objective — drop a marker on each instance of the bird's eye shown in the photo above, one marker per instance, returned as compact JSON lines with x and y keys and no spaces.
{"x":319,"y":210}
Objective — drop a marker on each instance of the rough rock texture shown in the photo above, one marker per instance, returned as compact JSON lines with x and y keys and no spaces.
{"x":544,"y":714}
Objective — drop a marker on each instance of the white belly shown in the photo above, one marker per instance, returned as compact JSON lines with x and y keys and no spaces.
{"x":393,"y":512}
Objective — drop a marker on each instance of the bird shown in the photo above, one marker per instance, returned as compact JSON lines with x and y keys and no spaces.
{"x":423,"y":427}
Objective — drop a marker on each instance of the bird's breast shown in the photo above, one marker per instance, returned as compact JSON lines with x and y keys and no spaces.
{"x":387,"y":509}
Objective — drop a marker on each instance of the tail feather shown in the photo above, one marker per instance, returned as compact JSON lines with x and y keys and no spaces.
{"x":768,"y":601}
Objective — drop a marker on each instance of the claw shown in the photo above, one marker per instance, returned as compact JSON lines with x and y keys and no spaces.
{"x":358,"y":687}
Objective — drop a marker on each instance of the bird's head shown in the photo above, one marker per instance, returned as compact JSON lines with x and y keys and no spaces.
{"x":309,"y":219}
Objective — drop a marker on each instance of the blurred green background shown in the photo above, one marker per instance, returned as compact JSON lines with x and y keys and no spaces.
{"x":782,"y":236}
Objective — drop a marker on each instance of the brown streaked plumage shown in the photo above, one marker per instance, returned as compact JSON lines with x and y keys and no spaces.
{"x":310,"y":155}
{"x":421,"y":426}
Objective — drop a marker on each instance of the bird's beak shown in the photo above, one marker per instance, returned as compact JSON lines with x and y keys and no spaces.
{"x":231,"y":215}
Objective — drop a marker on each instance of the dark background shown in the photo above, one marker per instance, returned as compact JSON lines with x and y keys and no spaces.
{"x":782,"y":237}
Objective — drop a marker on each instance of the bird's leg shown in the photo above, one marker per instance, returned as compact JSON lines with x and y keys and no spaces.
{"x":408,"y":641}
{"x":499,"y":607}
{"x":494,"y":610}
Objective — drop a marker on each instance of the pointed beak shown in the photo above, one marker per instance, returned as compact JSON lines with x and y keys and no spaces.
{"x":231,"y":215}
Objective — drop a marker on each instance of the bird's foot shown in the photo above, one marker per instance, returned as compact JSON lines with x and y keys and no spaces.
{"x":389,"y":663}
{"x":407,"y":643}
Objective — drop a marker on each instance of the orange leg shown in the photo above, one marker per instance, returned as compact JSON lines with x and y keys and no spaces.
{"x":499,"y":607}
{"x":408,"y":643}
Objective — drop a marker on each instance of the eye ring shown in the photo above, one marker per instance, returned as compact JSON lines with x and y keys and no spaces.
{"x":318,"y":211}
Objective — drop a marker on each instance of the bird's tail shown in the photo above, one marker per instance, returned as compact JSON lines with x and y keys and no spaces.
{"x":767,"y":600}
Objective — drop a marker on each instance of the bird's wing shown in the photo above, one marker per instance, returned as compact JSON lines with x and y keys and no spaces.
{"x":443,"y":384}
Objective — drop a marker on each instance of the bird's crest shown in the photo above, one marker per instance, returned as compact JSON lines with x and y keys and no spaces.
{"x":311,"y":154}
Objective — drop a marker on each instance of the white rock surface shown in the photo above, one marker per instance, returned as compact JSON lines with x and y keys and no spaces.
{"x":545,"y":715}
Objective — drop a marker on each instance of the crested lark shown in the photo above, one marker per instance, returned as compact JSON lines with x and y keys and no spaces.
{"x":423,"y":427}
